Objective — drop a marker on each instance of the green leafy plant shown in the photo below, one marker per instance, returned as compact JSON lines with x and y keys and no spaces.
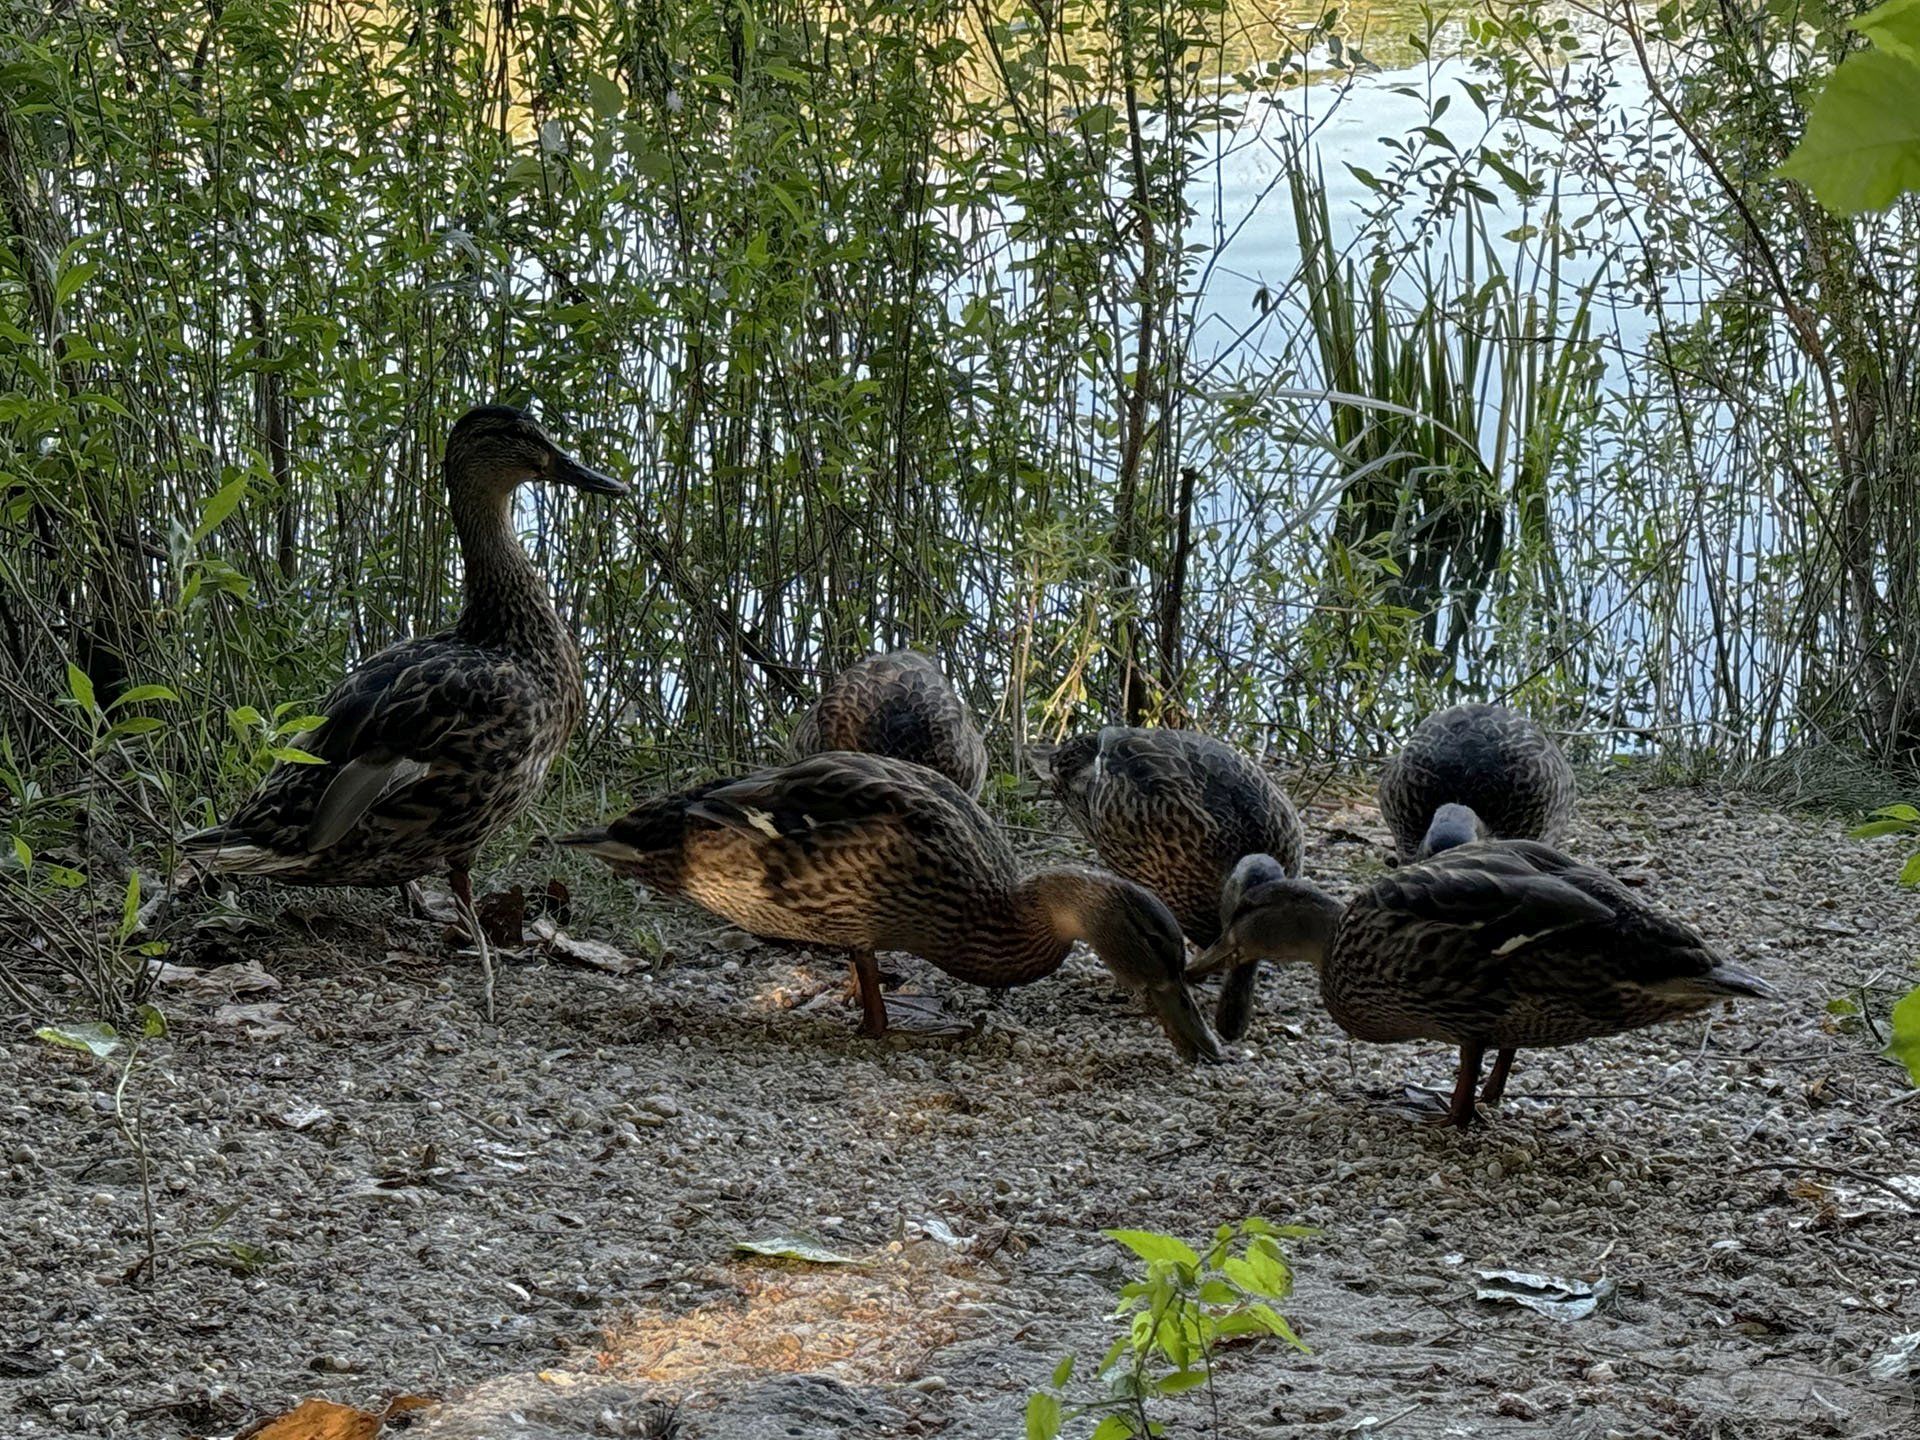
{"x":1861,"y":150}
{"x":104,"y":1042}
{"x":1173,"y":1321}
{"x":1904,"y":1043}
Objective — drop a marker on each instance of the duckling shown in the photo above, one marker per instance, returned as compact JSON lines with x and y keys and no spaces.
{"x":871,"y":853}
{"x":897,"y":704}
{"x":1487,"y":759}
{"x":1175,"y":811}
{"x":1492,"y":944}
{"x":437,"y":743}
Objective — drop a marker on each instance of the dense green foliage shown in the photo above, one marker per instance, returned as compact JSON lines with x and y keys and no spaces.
{"x":933,"y":322}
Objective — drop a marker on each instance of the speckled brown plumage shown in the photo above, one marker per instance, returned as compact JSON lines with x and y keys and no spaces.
{"x":873,"y":853}
{"x":434,"y":744}
{"x":1494,"y":761}
{"x":901,"y":705}
{"x":1175,"y":812}
{"x":1495,"y":944}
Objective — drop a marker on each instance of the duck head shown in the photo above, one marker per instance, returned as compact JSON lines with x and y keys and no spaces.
{"x":1451,"y":825}
{"x":1138,"y":940}
{"x":1265,"y":914}
{"x":495,"y":449}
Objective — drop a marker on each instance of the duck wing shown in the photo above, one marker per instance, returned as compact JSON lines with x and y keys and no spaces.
{"x":838,"y":791}
{"x":1544,"y":923}
{"x":415,"y":707}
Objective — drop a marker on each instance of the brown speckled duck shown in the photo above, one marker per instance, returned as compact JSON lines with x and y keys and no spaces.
{"x":434,"y":744}
{"x":872,"y":853}
{"x":1492,"y":944}
{"x":1486,"y":758}
{"x":1175,"y":812}
{"x":897,"y":704}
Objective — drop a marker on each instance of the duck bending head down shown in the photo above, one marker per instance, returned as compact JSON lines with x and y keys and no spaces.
{"x":868,"y":853}
{"x":1489,"y":945}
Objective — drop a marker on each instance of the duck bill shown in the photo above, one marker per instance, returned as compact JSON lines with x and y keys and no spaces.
{"x":569,"y":471}
{"x":1226,"y":954}
{"x":1186,"y":1025}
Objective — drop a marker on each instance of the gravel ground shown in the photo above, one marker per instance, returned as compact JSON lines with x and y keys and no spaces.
{"x":533,"y":1222}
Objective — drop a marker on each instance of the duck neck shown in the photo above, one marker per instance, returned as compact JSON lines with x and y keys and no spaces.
{"x":1023,"y":933}
{"x":507,"y":602}
{"x":1055,"y":907}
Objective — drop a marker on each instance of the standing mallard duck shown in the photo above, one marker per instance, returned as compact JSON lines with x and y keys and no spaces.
{"x":1487,"y":758}
{"x":1175,"y":812}
{"x":897,"y":704}
{"x":1493,"y":944}
{"x":434,"y":744}
{"x":872,"y":853}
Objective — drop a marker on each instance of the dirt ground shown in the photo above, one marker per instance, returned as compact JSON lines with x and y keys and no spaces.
{"x":534,"y":1221}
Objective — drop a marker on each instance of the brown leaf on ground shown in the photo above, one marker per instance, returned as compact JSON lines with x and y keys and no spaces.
{"x":503,"y":915}
{"x":317,"y":1420}
{"x":404,"y":1410}
{"x":592,"y":953}
{"x":261,"y":1021}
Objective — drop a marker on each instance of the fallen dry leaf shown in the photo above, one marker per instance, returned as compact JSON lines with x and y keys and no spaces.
{"x":261,"y":1021}
{"x":317,"y":1420}
{"x":583,"y":952}
{"x":409,"y":1405}
{"x":240,"y":978}
{"x":503,"y":915}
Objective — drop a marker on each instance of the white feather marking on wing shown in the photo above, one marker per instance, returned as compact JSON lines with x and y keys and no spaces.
{"x":1507,"y":947}
{"x":761,"y":820}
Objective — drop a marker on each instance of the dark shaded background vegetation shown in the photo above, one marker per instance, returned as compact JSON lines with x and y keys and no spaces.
{"x":920,"y":323}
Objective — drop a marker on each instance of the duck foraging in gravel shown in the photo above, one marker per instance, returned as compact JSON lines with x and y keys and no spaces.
{"x":1175,"y":812}
{"x":1486,"y":759}
{"x":871,"y":853}
{"x":1490,"y":945}
{"x":434,"y":744}
{"x":897,"y":704}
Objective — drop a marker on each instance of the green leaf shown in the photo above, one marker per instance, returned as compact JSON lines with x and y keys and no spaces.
{"x":1910,"y":872}
{"x":1873,"y":829}
{"x":70,"y":281}
{"x":1905,"y":1045}
{"x":294,"y":756}
{"x":130,"y":906}
{"x":1115,"y":1427}
{"x":140,"y":694}
{"x":1063,"y":1372}
{"x":223,"y":503}
{"x":1180,"y":1382}
{"x":1898,"y":812}
{"x":136,"y":725}
{"x":1261,"y":1272}
{"x":1043,"y":1416}
{"x":804,"y":1248}
{"x":1894,"y":28}
{"x":1861,"y":149}
{"x":606,"y":96}
{"x":23,"y":852}
{"x":97,"y":1038}
{"x":80,"y":687}
{"x":1150,"y":1245}
{"x":1842,"y":1006}
{"x":152,"y":1023}
{"x":299,"y":725}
